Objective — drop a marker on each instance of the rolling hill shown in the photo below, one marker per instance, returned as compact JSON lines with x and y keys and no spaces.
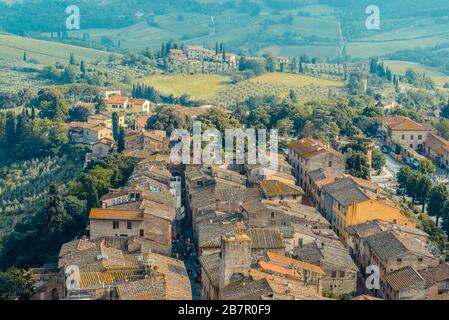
{"x":318,"y":28}
{"x":45,"y":52}
{"x":217,"y":89}
{"x":400,"y":67}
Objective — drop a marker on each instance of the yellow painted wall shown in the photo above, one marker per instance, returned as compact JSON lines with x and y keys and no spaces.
{"x":368,"y":211}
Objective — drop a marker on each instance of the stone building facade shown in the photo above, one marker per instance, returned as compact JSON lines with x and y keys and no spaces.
{"x":308,"y":154}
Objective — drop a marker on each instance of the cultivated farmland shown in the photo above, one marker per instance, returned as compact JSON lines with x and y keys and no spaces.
{"x":218,"y":89}
{"x":45,"y":52}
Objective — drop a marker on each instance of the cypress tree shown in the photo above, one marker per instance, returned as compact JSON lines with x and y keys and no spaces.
{"x":373,"y":67}
{"x":20,"y":135}
{"x":93,"y":200}
{"x":163,"y":50}
{"x":10,"y":133}
{"x":56,"y":220}
{"x":438,"y":196}
{"x":72,"y":60}
{"x":115,"y":126}
{"x":33,"y":113}
{"x":100,"y":106}
{"x":121,"y":140}
{"x":82,"y":67}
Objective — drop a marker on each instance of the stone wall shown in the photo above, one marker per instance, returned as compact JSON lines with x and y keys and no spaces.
{"x":102,"y":228}
{"x":337,"y":282}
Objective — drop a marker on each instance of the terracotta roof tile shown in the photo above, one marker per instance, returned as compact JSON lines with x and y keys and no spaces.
{"x":98,"y":279}
{"x":211,"y":266}
{"x":437,"y":144}
{"x":436,"y":274}
{"x":402,"y":124}
{"x":117,"y":99}
{"x":115,"y":214}
{"x":275,"y":188}
{"x":403,"y":278}
{"x":87,"y":126}
{"x":115,"y":194}
{"x":152,"y":288}
{"x":309,"y":148}
{"x":159,"y":210}
{"x":262,"y":238}
{"x":389,"y":245}
{"x":142,"y":121}
{"x":177,"y":282}
{"x":346,"y":192}
{"x":281,"y":259}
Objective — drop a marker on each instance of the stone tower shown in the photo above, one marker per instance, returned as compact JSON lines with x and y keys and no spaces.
{"x":235,"y":259}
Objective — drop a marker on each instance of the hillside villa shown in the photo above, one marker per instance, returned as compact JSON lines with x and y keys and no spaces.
{"x":123,"y":103}
{"x":105,"y":119}
{"x":403,"y":131}
{"x":87,"y":133}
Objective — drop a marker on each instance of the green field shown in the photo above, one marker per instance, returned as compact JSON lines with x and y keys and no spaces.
{"x":218,"y":89}
{"x":45,"y":52}
{"x":295,"y":80}
{"x":399,"y":34}
{"x":235,"y":29}
{"x":307,"y":88}
{"x":322,"y":51}
{"x":199,"y":86}
{"x":313,"y":29}
{"x":317,"y":28}
{"x":317,"y":34}
{"x":136,"y":36}
{"x":400,"y":67}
